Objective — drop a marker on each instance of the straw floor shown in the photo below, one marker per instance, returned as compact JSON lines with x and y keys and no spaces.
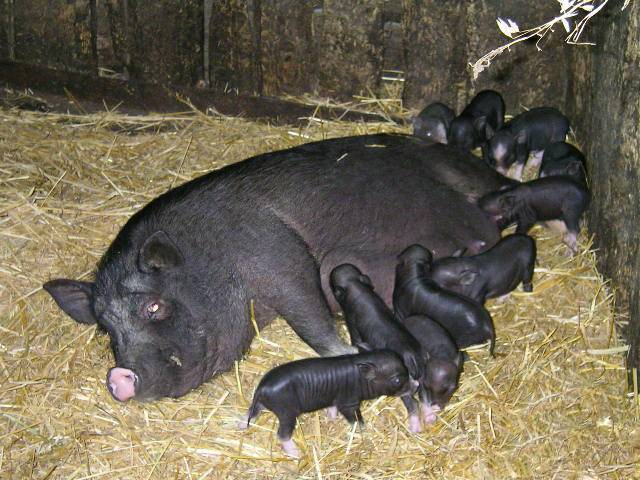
{"x":552,"y":404}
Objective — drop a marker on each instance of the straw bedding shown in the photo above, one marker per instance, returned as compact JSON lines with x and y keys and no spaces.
{"x":552,"y":404}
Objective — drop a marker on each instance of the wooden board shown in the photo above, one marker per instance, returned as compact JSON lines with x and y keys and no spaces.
{"x":54,"y":33}
{"x":605,"y":102}
{"x":350,"y":48}
{"x":288,"y":51}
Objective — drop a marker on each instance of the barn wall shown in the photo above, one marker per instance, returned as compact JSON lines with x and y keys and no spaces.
{"x":328,"y":48}
{"x":605,"y":105}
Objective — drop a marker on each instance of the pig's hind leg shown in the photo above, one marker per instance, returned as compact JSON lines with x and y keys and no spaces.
{"x":527,"y":285}
{"x":287,"y":423}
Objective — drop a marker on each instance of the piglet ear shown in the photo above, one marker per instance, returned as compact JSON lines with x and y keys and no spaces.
{"x":73,"y":297}
{"x":158,"y":253}
{"x":338,"y":292}
{"x":467,"y":277}
{"x":366,"y":280}
{"x":574,"y":168}
{"x":363,"y":347}
{"x":367,"y":370}
{"x":507,"y":202}
{"x":480,"y":124}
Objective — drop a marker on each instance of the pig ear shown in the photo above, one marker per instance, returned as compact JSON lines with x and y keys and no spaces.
{"x":363,"y":347}
{"x":480,"y":125}
{"x":158,"y":252}
{"x":467,"y":277}
{"x":574,"y":168}
{"x":367,"y":370}
{"x":338,"y":292}
{"x":366,"y":280}
{"x":507,"y":201}
{"x":73,"y":297}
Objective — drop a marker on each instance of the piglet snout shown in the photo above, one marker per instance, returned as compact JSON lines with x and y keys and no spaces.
{"x":121,"y":383}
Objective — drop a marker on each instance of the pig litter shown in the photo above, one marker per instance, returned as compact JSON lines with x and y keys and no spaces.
{"x":551,"y":404}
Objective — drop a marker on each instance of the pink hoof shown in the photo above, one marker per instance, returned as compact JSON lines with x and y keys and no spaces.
{"x":414,"y":424}
{"x":429,"y":413}
{"x":332,"y":413}
{"x":290,"y":449}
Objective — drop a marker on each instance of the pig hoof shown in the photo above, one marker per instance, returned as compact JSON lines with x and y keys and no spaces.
{"x":429,"y":413}
{"x":414,"y":424}
{"x":527,"y":287}
{"x":243,"y":423}
{"x":502,"y":298}
{"x":290,"y":449}
{"x":332,"y":413}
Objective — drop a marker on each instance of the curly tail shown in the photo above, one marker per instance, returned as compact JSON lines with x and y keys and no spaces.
{"x":255,"y":408}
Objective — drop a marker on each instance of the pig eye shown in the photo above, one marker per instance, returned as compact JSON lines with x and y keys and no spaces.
{"x":396,"y":381}
{"x":155,"y":310}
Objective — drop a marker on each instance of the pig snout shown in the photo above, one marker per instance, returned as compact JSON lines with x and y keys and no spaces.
{"x":121,"y":383}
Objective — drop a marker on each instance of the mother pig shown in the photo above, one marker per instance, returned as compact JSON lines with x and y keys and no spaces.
{"x":174,"y":289}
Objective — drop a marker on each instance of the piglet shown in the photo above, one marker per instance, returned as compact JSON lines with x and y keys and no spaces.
{"x":371,"y":323}
{"x":529,"y":132}
{"x":490,"y":274}
{"x":563,"y":159}
{"x":478,"y":122}
{"x":443,"y":365}
{"x":550,"y":199}
{"x":433,"y":122}
{"x":339,"y":382}
{"x":414,"y":293}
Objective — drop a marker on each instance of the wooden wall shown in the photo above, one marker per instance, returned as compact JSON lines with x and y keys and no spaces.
{"x":328,"y":48}
{"x":605,"y":106}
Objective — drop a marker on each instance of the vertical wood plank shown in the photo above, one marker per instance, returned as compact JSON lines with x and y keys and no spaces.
{"x":288,"y":50}
{"x":434,"y":38}
{"x":234,"y":64}
{"x":605,"y":105}
{"x":350,"y":48}
{"x":54,"y":33}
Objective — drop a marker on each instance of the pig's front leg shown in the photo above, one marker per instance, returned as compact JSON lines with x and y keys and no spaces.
{"x":524,"y":225}
{"x":412,"y":409}
{"x":570,"y":237}
{"x":352,"y":413}
{"x":290,"y":284}
{"x":428,"y":411}
{"x":521,"y":158}
{"x":332,"y":413}
{"x":527,"y":285}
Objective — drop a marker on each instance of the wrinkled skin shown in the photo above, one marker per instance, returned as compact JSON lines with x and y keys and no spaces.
{"x":466,"y":320}
{"x":433,"y":122}
{"x":314,"y":383}
{"x":443,"y":361}
{"x":563,"y":159}
{"x":529,"y":132}
{"x":545,"y":199}
{"x":490,"y":274}
{"x":174,"y":290}
{"x":370,"y":322}
{"x":478,"y":122}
